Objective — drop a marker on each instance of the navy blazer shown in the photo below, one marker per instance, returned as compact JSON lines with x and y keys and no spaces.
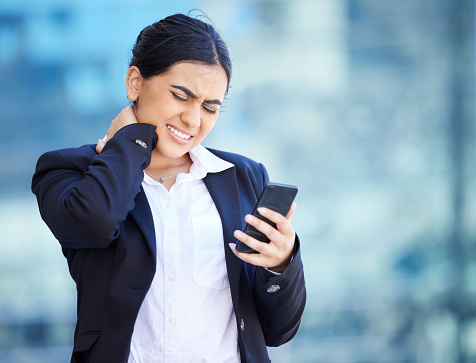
{"x":95,"y":206}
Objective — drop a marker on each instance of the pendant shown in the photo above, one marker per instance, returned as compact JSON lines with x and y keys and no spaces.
{"x":161,"y":180}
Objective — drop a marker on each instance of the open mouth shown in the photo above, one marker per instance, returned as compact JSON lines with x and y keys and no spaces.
{"x":179,"y":134}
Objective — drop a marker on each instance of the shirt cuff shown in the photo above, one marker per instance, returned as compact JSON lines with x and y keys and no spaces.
{"x":278,"y":273}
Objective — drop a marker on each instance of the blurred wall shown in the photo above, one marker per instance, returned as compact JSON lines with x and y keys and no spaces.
{"x":367,"y":105}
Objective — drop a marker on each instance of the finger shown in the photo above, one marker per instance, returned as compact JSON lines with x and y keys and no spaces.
{"x":129,"y":111}
{"x":100,"y":146}
{"x":291,"y":211}
{"x":262,"y":226}
{"x":282,"y":224}
{"x":251,"y":242}
{"x":261,"y":259}
{"x":252,"y":258}
{"x":240,"y":255}
{"x":273,"y":216}
{"x":131,"y":114}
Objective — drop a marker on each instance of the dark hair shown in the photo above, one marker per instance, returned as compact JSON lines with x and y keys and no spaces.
{"x":179,"y":38}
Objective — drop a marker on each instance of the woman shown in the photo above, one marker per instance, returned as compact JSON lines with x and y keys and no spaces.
{"x":148,"y":220}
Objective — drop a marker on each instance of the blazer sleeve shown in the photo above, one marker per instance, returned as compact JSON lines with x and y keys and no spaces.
{"x":280,"y":299}
{"x":83,"y":196}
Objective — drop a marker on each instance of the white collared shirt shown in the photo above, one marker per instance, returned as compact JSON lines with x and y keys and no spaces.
{"x":187,"y":314}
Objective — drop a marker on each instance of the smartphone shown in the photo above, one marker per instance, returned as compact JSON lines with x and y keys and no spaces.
{"x":275,"y":196}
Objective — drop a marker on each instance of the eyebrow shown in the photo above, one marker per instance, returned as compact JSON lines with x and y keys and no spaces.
{"x":192,"y":95}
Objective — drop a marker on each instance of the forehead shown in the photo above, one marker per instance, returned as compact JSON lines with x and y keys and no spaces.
{"x":204,"y":80}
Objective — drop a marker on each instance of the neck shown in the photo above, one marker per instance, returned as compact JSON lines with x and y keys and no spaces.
{"x":160,"y":162}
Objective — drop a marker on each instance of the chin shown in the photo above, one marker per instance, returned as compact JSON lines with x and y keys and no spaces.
{"x":174,"y":153}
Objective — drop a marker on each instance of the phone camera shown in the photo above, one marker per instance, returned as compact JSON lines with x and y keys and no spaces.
{"x":271,"y":188}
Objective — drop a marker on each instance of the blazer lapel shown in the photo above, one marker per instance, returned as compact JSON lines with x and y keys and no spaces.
{"x":224,"y":192}
{"x":143,"y":217}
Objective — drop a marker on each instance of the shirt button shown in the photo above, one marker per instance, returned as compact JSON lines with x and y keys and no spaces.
{"x":273,"y":288}
{"x":171,"y":232}
{"x":172,"y":277}
{"x":168,"y":205}
{"x":172,"y":321}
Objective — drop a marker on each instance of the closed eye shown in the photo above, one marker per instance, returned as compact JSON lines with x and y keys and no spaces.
{"x":209,"y":110}
{"x":205,"y":107}
{"x":180,"y":98}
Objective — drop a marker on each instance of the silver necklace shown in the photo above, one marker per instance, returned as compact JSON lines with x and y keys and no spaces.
{"x":167,"y":177}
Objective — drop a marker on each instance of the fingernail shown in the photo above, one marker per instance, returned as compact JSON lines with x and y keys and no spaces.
{"x":262,"y":210}
{"x":238,"y":234}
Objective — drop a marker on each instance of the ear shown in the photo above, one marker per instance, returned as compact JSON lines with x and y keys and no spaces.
{"x":133,"y":83}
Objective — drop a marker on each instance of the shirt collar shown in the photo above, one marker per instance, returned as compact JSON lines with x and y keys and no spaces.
{"x":205,"y":162}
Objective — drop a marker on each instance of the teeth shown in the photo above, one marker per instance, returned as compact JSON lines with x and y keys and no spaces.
{"x":178,"y":133}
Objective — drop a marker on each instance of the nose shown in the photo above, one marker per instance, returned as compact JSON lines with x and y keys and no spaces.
{"x":191,"y":116}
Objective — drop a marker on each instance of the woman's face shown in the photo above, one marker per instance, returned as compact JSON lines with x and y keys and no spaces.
{"x":183,"y":104}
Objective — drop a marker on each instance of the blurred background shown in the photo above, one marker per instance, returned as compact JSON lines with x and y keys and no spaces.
{"x":367,"y":105}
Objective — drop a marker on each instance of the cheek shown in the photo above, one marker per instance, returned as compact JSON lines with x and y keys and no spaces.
{"x":207,"y":126}
{"x":157,"y":113}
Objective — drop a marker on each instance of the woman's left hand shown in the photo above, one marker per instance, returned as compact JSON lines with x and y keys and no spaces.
{"x":275,"y":255}
{"x":125,"y":117}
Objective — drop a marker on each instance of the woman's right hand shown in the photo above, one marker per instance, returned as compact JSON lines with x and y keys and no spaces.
{"x":125,"y":117}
